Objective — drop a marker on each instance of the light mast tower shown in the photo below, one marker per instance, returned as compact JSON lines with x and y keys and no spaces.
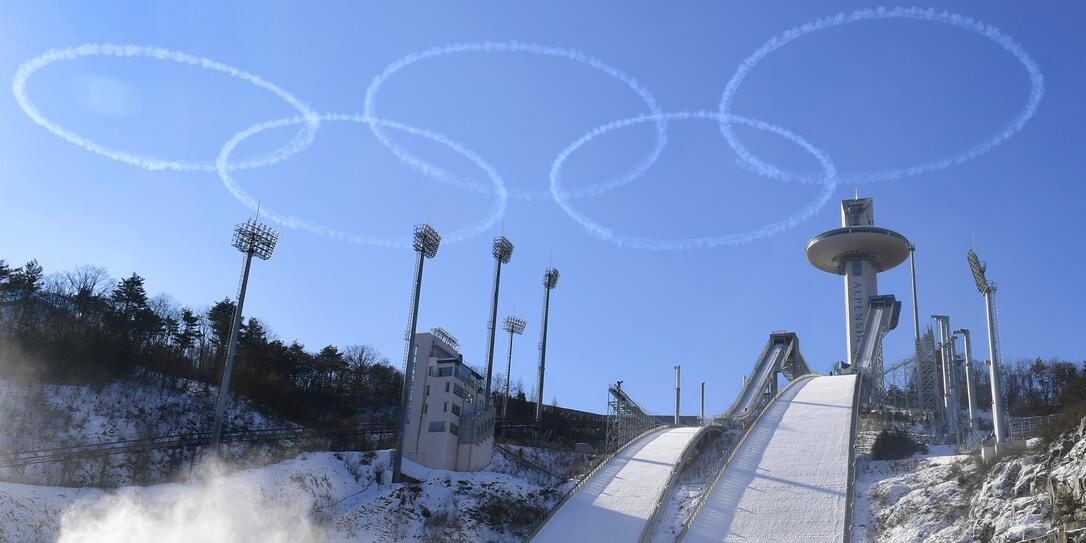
{"x":858,"y":250}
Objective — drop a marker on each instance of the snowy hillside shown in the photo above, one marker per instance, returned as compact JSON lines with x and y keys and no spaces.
{"x":317,"y":497}
{"x":46,"y":416}
{"x":943,"y":497}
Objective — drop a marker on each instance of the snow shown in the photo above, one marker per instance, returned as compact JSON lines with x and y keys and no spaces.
{"x":616,"y":502}
{"x":316,"y":497}
{"x":36,"y":417}
{"x":941,"y":497}
{"x":789,"y":476}
{"x":690,"y":486}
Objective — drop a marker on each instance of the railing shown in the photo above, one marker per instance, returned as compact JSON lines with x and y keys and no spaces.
{"x":856,"y":230}
{"x":1020,"y":429}
{"x":183,"y":441}
{"x":524,"y":462}
{"x":542,"y":521}
{"x":731,"y":455}
{"x":850,"y":499}
{"x":657,"y":507}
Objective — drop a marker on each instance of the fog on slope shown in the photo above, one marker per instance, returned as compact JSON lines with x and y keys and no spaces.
{"x":212,"y":508}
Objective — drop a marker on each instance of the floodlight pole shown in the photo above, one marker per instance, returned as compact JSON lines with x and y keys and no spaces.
{"x":235,"y":329}
{"x":998,"y":409}
{"x":988,"y":288}
{"x":426,"y":243}
{"x":251,"y":238}
{"x":514,"y":326}
{"x":550,"y":280}
{"x":502,"y":251}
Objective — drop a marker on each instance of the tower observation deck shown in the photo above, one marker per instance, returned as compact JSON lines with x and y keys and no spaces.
{"x":859,"y":251}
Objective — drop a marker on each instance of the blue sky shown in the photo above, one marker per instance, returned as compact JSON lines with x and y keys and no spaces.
{"x":872,"y":95}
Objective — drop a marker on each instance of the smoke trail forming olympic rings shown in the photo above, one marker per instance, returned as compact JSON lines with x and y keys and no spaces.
{"x":952,"y":19}
{"x":497,"y":209}
{"x":561,"y":196}
{"x":18,"y":86}
{"x":370,"y":110}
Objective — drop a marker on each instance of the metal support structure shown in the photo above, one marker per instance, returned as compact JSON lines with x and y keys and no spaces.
{"x":916,"y":329}
{"x":252,"y":239}
{"x":947,"y":356}
{"x":625,"y":419}
{"x":502,"y":251}
{"x":515,"y":326}
{"x":999,"y":413}
{"x":550,"y":280}
{"x":970,"y":379}
{"x":426,"y":243}
{"x":988,"y":289}
{"x":678,"y":371}
{"x":702,"y":403}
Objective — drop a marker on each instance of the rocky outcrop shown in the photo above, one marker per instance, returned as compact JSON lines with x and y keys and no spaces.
{"x":1031,"y":494}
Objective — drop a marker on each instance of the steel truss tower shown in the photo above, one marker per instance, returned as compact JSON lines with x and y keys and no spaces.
{"x":625,"y":419}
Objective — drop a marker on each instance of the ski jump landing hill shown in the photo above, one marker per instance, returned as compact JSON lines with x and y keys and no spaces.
{"x":789,"y":478}
{"x":618,"y":501}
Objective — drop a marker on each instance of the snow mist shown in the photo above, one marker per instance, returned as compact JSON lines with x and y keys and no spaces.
{"x":214,"y":507}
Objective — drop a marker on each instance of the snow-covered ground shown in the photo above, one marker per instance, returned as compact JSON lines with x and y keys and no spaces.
{"x":942,"y":497}
{"x":45,"y":416}
{"x":616,"y":502}
{"x":316,"y":497}
{"x":789,"y":476}
{"x":686,"y":494}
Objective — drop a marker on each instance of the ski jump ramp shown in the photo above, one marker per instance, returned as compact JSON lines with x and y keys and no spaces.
{"x":789,"y":478}
{"x":617,"y":501}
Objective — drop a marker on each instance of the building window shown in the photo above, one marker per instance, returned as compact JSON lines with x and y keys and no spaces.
{"x":456,"y":409}
{"x":857,"y":267}
{"x":427,"y":390}
{"x":445,"y":372}
{"x":446,"y":386}
{"x":454,"y":429}
{"x":424,"y":406}
{"x":436,"y":427}
{"x":458,"y":390}
{"x":445,"y":407}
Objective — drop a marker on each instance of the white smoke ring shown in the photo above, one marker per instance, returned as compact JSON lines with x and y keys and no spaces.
{"x":871,"y":14}
{"x":561,"y":196}
{"x":495,"y":213}
{"x":370,"y":110}
{"x":18,"y":86}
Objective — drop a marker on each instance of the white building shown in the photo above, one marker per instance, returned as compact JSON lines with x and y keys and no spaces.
{"x":446,"y":426}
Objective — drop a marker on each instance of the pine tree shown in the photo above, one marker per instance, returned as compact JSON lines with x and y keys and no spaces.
{"x":190,"y":332}
{"x":27,"y":280}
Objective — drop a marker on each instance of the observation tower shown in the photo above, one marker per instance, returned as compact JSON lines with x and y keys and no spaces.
{"x":859,"y":251}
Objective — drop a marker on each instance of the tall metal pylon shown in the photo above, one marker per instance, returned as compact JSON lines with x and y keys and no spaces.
{"x":550,"y":280}
{"x":515,"y":326}
{"x":426,"y":243}
{"x":252,"y":239}
{"x":987,"y":289}
{"x":502,"y":251}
